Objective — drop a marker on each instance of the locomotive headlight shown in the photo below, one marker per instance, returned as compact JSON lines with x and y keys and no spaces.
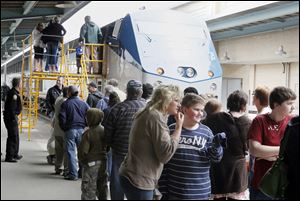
{"x":160,"y":71}
{"x":210,"y":73}
{"x":190,"y":72}
{"x":180,"y":70}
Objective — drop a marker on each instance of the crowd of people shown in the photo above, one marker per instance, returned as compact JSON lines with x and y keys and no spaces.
{"x":160,"y":142}
{"x":51,"y":39}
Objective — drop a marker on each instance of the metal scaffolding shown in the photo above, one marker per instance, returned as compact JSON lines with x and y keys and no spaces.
{"x":31,"y":81}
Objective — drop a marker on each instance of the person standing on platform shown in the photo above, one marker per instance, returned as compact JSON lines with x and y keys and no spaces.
{"x":115,"y":84}
{"x":229,"y":177}
{"x":191,"y":161}
{"x":94,"y":96}
{"x":12,"y":109}
{"x":72,"y":120}
{"x":117,"y":128}
{"x":54,"y":33}
{"x":265,"y":134}
{"x":103,"y":103}
{"x":91,"y":33}
{"x":52,"y":95}
{"x":291,"y":159}
{"x":150,"y":143}
{"x":38,"y":47}
{"x":59,"y":135}
{"x":79,"y":53}
{"x":92,"y":155}
{"x":4,"y":90}
{"x":261,"y":102}
{"x":147,"y":91}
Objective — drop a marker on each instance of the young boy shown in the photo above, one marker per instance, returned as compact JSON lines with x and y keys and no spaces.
{"x":186,"y":175}
{"x":265,"y":134}
{"x":92,"y":155}
{"x":79,"y":53}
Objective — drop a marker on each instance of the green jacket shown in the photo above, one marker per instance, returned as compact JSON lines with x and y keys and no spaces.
{"x":91,"y":33}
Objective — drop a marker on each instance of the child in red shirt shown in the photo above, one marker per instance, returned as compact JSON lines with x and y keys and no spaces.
{"x":265,"y":134}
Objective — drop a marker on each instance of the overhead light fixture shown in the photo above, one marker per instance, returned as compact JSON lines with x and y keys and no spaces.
{"x":14,"y":47}
{"x":6,"y":55}
{"x":70,"y":4}
{"x":281,"y":51}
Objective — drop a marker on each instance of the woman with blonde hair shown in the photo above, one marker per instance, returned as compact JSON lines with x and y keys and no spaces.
{"x":150,"y":143}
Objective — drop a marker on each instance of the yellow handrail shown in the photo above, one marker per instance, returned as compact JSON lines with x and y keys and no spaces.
{"x":31,"y":82}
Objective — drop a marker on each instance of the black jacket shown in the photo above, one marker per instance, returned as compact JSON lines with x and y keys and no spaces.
{"x":53,"y":29}
{"x":51,"y":97}
{"x":93,"y":98}
{"x":230,"y":175}
{"x":13,"y":105}
{"x":291,"y":158}
{"x":4,"y":91}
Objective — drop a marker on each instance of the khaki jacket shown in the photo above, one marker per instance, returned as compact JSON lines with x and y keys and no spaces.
{"x":150,"y":146}
{"x":57,"y":129}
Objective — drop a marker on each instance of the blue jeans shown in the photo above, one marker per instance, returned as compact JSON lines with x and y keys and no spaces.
{"x":52,"y":48}
{"x":133,"y":193}
{"x":256,"y":194}
{"x":116,"y":191}
{"x":109,"y":163}
{"x":73,"y":139}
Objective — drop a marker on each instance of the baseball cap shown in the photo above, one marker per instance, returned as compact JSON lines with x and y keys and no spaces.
{"x":134,"y":84}
{"x":93,"y":84}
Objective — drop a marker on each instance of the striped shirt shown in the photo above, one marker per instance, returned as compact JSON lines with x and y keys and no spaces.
{"x":118,"y":124}
{"x":186,"y":175}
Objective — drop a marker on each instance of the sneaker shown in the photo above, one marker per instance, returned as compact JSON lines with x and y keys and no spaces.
{"x":65,"y":173}
{"x":71,"y":178}
{"x":18,"y":157}
{"x":10,"y":160}
{"x":50,"y":159}
{"x":58,"y":171}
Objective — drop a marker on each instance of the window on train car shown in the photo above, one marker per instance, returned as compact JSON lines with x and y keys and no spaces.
{"x":117,"y":27}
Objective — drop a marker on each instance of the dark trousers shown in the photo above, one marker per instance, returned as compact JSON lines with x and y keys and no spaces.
{"x":12,"y":143}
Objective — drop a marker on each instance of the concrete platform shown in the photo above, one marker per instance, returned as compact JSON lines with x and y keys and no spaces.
{"x":32,"y":178}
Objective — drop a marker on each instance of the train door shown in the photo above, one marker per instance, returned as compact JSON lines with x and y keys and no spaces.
{"x":229,"y":85}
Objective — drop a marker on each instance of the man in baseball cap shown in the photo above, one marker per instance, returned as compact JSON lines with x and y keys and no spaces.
{"x":134,"y":84}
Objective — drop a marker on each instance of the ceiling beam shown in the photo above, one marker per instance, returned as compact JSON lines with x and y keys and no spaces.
{"x":27,"y":7}
{"x":265,"y":27}
{"x":12,"y":14}
{"x":265,"y":14}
